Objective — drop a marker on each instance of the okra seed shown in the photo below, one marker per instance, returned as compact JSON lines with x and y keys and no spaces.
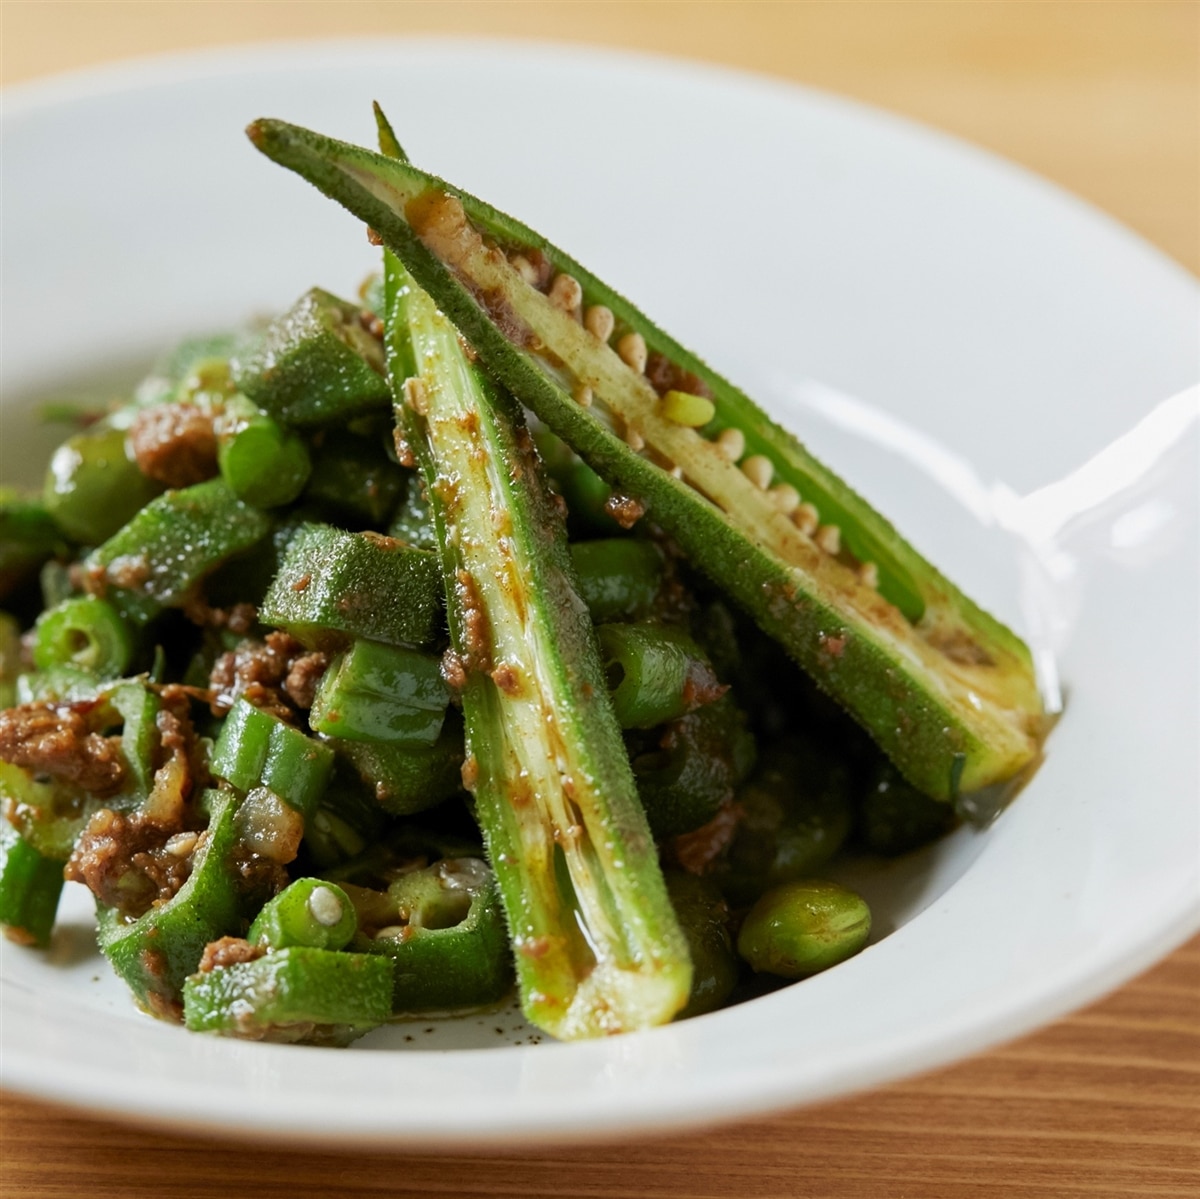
{"x":676,"y":472}
{"x":634,"y":440}
{"x":829,"y":538}
{"x":180,"y":845}
{"x":731,"y":443}
{"x":759,"y":470}
{"x":633,"y":352}
{"x":868,"y":572}
{"x":583,"y":395}
{"x":786,"y":497}
{"x":325,"y":907}
{"x":566,"y":293}
{"x":683,"y":408}
{"x":806,"y":518}
{"x":599,"y":321}
{"x":525,"y":269}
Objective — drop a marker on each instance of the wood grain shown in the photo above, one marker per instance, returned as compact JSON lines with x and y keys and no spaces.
{"x":1103,"y":98}
{"x":1104,"y":1104}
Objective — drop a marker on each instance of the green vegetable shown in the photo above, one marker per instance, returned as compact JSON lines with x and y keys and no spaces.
{"x":84,"y":632}
{"x":334,"y":585}
{"x":947,"y":691}
{"x":895,"y":818}
{"x":619,"y":577}
{"x":93,"y":485}
{"x":316,"y":365}
{"x":28,"y":536}
{"x":10,"y":659}
{"x":157,"y":559}
{"x":704,"y":918}
{"x":353,"y":476}
{"x":30,"y":885}
{"x":263,"y":463}
{"x":597,"y":946}
{"x":256,"y":749}
{"x":292,"y":995}
{"x":309,"y":912}
{"x":443,"y":927}
{"x":375,"y":692}
{"x":802,"y":928}
{"x":655,"y":673}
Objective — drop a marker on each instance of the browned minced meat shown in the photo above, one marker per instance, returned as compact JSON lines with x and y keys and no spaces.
{"x":228,"y":951}
{"x":177,"y":736}
{"x":238,"y":619}
{"x":625,"y":511}
{"x":698,"y":850}
{"x":174,"y":444}
{"x":665,"y":376}
{"x":57,"y":740}
{"x":277,"y":675}
{"x":123,"y":860}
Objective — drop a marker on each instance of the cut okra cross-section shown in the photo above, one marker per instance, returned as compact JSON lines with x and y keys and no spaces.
{"x":947,"y":691}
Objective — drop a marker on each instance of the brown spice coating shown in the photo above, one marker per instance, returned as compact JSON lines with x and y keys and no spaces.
{"x":665,"y":376}
{"x":228,"y":951}
{"x":624,"y":510}
{"x":174,"y":444}
{"x":696,"y":851}
{"x":262,"y":672}
{"x":57,"y":740}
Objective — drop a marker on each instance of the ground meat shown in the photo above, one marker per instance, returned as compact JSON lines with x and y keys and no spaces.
{"x":625,"y":511}
{"x":665,"y":376}
{"x":304,"y":673}
{"x":238,"y":619}
{"x":696,"y":851}
{"x":262,"y":671}
{"x":228,"y":951}
{"x":58,"y":740}
{"x":174,"y":444}
{"x":124,"y":860}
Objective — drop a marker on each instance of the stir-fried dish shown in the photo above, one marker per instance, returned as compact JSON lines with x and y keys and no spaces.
{"x":468,"y":634}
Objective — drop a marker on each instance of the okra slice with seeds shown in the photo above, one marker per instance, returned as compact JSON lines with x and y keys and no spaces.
{"x":947,"y":691}
{"x":597,"y":946}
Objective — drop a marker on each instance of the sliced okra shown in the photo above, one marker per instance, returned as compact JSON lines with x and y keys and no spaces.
{"x":334,"y":585}
{"x":317,"y":996}
{"x":947,"y":691}
{"x":318,"y":364}
{"x":598,"y":949}
{"x":30,"y":884}
{"x":28,"y":536}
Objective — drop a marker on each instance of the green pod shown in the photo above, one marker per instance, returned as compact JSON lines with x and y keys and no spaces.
{"x":801,"y":928}
{"x":797,"y":811}
{"x":93,"y":485}
{"x":443,"y":927}
{"x":654,"y":673}
{"x":333,"y":586}
{"x":316,"y":365}
{"x":308,"y":912}
{"x":619,"y":577}
{"x":156,"y":952}
{"x":157,"y":559}
{"x":947,"y":691}
{"x":316,"y":996}
{"x":10,"y":659}
{"x":345,"y":823}
{"x":84,"y":632}
{"x":408,"y":778}
{"x":353,"y":476}
{"x":28,"y":536}
{"x":264,"y":464}
{"x":30,"y":885}
{"x":692,"y":767}
{"x":256,"y":749}
{"x":704,"y":918}
{"x":375,"y":692}
{"x":895,"y":818}
{"x":413,"y":519}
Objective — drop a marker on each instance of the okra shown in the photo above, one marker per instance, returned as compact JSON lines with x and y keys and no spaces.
{"x":264,"y":464}
{"x":256,"y":749}
{"x":292,"y":995}
{"x":84,"y":632}
{"x":28,"y":536}
{"x":443,"y":927}
{"x":375,"y":692}
{"x":318,"y":364}
{"x":598,"y":949}
{"x":30,"y":884}
{"x":157,"y":559}
{"x":619,"y":577}
{"x":947,"y":691}
{"x":309,"y":912}
{"x":333,"y":586}
{"x":353,"y":476}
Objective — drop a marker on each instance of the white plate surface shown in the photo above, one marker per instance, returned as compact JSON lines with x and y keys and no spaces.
{"x":791,"y":237}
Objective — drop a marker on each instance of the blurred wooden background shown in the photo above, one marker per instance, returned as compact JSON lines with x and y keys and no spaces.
{"x":1101,"y":96}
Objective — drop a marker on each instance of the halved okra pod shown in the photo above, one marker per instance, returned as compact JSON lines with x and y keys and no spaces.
{"x":947,"y":691}
{"x":598,"y":949}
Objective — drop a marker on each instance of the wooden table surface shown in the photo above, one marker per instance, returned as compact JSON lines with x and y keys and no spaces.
{"x":1103,"y":98}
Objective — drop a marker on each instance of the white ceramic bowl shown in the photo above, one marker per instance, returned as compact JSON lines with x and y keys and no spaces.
{"x":941,"y":298}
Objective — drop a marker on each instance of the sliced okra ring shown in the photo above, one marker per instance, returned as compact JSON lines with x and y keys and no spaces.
{"x":947,"y":691}
{"x":30,"y":884}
